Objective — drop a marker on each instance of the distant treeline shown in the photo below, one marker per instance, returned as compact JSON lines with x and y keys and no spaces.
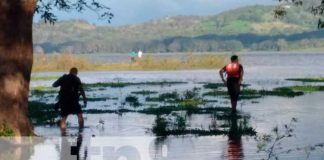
{"x":249,"y":28}
{"x":206,"y":43}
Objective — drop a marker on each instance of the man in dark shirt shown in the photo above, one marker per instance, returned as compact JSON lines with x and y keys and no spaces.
{"x":234,"y":72}
{"x":70,"y":91}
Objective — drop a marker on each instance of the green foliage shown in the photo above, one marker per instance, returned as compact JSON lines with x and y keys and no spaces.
{"x":6,"y":131}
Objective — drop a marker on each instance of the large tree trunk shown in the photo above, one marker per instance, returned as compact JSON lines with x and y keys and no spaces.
{"x":16,"y":58}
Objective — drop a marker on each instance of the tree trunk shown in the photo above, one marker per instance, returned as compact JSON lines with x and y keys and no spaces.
{"x":16,"y":59}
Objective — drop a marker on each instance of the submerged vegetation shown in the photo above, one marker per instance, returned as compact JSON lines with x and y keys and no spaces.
{"x":42,"y":113}
{"x":172,"y":108}
{"x":252,"y":93}
{"x":306,"y":79}
{"x":175,"y":124}
{"x":65,"y":61}
{"x":125,"y":84}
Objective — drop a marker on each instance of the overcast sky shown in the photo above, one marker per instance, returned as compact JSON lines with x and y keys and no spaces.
{"x":138,"y":11}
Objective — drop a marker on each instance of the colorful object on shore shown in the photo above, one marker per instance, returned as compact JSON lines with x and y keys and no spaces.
{"x":133,"y":54}
{"x":139,"y":54}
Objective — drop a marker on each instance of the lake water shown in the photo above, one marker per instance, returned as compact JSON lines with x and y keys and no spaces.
{"x":262,"y":71}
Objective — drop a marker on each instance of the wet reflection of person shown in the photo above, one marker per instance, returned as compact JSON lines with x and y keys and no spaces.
{"x":235,"y":149}
{"x":69,"y":151}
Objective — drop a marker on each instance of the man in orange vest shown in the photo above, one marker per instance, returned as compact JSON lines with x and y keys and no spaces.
{"x":234,"y":73}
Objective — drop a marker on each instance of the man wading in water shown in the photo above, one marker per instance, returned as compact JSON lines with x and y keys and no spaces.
{"x":234,"y":72}
{"x":70,"y":91}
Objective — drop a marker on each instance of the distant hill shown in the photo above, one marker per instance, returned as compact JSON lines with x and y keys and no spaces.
{"x":247,"y":28}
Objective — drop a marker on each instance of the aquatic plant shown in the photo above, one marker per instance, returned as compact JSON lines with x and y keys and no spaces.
{"x":42,"y":113}
{"x":42,"y":90}
{"x":271,"y":143}
{"x":94,"y":99}
{"x":144,"y":92}
{"x":307,"y":88}
{"x":125,"y":84}
{"x":132,"y":100}
{"x":191,"y":94}
{"x":175,"y":124}
{"x":219,"y":85}
{"x":320,"y":79}
{"x":247,"y":93}
{"x":160,"y":126}
{"x":169,"y":96}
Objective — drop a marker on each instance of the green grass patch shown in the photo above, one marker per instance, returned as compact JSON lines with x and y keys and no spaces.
{"x":44,"y":78}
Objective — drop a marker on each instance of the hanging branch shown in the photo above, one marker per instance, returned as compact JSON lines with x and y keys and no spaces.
{"x":45,"y":8}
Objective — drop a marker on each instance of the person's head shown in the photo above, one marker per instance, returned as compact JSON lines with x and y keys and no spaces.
{"x":234,"y":58}
{"x":74,"y":71}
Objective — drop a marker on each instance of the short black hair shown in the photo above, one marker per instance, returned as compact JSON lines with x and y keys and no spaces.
{"x":234,"y":57}
{"x":74,"y":70}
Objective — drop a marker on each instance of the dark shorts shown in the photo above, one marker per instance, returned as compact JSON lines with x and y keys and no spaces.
{"x":233,"y":88}
{"x":70,"y":108}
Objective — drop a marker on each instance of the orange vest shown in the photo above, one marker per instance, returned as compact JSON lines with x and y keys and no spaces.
{"x":233,"y":70}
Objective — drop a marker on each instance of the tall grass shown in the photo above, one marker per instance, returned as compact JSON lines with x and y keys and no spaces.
{"x":65,"y":61}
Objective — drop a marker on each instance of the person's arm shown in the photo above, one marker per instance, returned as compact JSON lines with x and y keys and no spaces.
{"x":241,"y":75}
{"x":58,"y":82}
{"x":81,"y":91}
{"x":221,"y":74}
{"x":83,"y":95}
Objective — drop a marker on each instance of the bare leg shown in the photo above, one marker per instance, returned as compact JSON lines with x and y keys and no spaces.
{"x":63,"y":122}
{"x":81,"y":120}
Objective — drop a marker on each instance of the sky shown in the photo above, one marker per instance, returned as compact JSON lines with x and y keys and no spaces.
{"x":138,"y":11}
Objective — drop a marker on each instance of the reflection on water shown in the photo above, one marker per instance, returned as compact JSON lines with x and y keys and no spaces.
{"x":68,"y":152}
{"x":235,"y":149}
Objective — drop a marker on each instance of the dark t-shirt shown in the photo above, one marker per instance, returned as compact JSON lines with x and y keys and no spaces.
{"x":70,"y":88}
